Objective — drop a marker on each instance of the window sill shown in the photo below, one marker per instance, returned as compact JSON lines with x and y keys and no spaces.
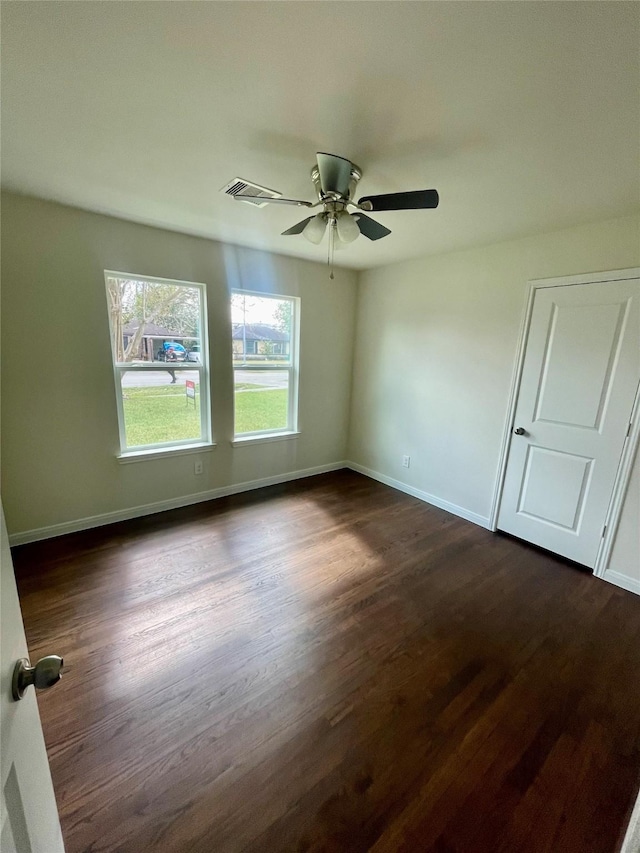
{"x":243,"y":441}
{"x":163,"y":453}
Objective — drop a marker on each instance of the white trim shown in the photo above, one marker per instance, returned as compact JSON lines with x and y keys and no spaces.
{"x":202,"y":366}
{"x":523,"y":335}
{"x":292,"y":367}
{"x":626,"y":463}
{"x":160,"y":453}
{"x":460,"y":511}
{"x":87,"y":523}
{"x":130,"y":276}
{"x":630,"y":584}
{"x":587,"y":278}
{"x":631,"y":843}
{"x":620,"y":487}
{"x":161,"y":506}
{"x":262,"y":438}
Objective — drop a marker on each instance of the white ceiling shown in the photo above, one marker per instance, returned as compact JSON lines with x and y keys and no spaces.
{"x":524,"y":115}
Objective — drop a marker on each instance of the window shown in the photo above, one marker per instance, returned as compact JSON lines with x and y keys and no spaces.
{"x":159,"y":346}
{"x":265,"y":364}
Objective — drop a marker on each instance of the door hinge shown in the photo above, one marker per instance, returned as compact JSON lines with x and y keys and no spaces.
{"x":628,"y":430}
{"x":604,"y":530}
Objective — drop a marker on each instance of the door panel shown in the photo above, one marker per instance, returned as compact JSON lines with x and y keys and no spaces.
{"x":580,"y":403}
{"x":554,"y":486}
{"x":29,"y":819}
{"x":580,"y":374}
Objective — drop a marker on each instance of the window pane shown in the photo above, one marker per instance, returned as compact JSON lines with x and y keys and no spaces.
{"x":153,"y":321}
{"x":261,"y":400}
{"x":160,"y":407}
{"x":261,"y":329}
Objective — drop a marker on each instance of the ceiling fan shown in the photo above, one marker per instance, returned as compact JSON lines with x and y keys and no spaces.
{"x":335,"y":180}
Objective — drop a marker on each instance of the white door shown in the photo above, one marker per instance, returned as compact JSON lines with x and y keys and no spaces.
{"x":29,"y":815}
{"x":579,"y":379}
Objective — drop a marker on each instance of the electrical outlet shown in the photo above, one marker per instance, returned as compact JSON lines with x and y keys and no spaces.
{"x":198,"y":467}
{"x":406,"y":461}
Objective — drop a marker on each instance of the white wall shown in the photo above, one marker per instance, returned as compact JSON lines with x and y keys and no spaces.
{"x":436,"y":340}
{"x":59,"y":421}
{"x":436,"y":343}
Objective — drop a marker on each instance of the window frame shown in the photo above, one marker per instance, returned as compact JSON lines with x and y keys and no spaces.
{"x":158,"y":449}
{"x":292,"y":368}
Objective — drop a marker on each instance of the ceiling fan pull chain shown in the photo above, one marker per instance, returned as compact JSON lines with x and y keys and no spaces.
{"x":332,"y":231}
{"x":329,"y":250}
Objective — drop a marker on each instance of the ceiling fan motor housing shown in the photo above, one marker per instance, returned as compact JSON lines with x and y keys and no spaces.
{"x":354,"y":177}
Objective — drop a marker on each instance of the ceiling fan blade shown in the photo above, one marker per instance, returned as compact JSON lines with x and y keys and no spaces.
{"x":335,"y":173}
{"x":370,"y":228}
{"x":262,"y":199}
{"x":298,"y":228}
{"x":415,"y":200}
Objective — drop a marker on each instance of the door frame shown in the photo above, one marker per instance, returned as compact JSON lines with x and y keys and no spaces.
{"x":630,"y":447}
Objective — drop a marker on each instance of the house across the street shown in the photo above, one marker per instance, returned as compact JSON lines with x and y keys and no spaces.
{"x":152,"y":339}
{"x":259,"y":339}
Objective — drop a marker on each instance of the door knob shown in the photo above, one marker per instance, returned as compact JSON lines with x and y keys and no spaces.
{"x":520,"y":431}
{"x":46,"y":673}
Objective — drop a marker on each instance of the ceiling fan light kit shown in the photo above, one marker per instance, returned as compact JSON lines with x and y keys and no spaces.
{"x":347,"y":227}
{"x":335,"y":180}
{"x":315,"y":228}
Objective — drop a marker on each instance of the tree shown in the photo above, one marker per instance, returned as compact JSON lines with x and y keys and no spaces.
{"x":114,"y":295}
{"x":240,"y":304}
{"x":174,"y":306}
{"x":282,"y":316}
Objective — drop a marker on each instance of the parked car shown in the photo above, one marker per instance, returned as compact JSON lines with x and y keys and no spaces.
{"x":179,"y":351}
{"x":194,"y":353}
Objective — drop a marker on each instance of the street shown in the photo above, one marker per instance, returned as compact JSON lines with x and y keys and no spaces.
{"x":149,"y":378}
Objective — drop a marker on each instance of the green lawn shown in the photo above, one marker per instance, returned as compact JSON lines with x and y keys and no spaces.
{"x":153,"y":415}
{"x":161,"y":413}
{"x":257,"y":410}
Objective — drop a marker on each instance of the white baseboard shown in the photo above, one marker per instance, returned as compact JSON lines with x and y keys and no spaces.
{"x":480,"y":520}
{"x":625,"y":582}
{"x":37,"y":534}
{"x":160,"y":506}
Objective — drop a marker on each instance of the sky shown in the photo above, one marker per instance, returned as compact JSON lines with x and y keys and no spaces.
{"x":258,"y":309}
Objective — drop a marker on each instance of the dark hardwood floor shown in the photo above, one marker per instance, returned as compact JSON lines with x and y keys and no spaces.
{"x":331,"y":665}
